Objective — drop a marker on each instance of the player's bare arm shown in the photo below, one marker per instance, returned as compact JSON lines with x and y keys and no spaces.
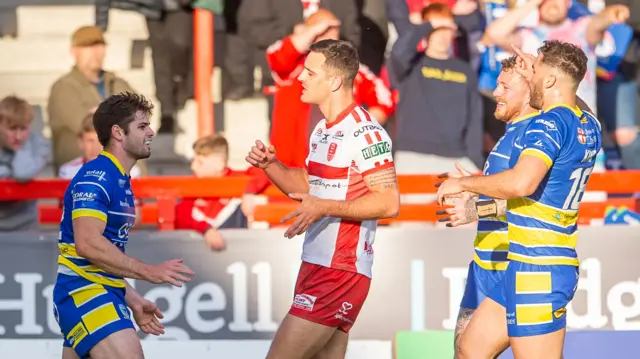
{"x":520,"y":181}
{"x":383,"y":201}
{"x":92,"y":245}
{"x":597,"y":27}
{"x":287,"y":179}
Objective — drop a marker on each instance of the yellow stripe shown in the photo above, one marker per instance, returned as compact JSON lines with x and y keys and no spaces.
{"x":575,"y":109}
{"x":114,"y":160}
{"x":529,"y":208}
{"x":492,"y":241}
{"x":96,"y":278}
{"x":534,"y":314}
{"x":69,"y":251}
{"x":500,"y":266}
{"x":541,"y":237}
{"x":538,"y":154}
{"x":544,"y":261}
{"x":100,"y":317}
{"x":76,"y":335}
{"x":533,"y":282}
{"x":86,"y":212}
{"x":85,"y":294}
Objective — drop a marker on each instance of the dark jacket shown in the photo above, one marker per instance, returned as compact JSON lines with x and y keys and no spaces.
{"x":263,"y":22}
{"x":151,"y":9}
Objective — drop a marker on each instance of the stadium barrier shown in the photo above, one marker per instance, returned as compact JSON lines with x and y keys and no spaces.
{"x":244,"y":292}
{"x":160,"y":194}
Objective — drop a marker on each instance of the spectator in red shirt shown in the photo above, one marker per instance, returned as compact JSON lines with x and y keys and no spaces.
{"x":207,"y":215}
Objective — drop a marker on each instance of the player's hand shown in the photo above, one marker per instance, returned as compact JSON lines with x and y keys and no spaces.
{"x":307,"y":213}
{"x":214,"y":240}
{"x":172,"y":272}
{"x":449,"y":188}
{"x":617,"y":14}
{"x":463,"y":212}
{"x":459,"y":172}
{"x":443,"y":22}
{"x":147,"y":317}
{"x":261,"y":156}
{"x":464,"y":7}
{"x":524,"y":63}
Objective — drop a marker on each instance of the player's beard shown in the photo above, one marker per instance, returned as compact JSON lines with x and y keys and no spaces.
{"x":137,"y":151}
{"x":537,"y":96}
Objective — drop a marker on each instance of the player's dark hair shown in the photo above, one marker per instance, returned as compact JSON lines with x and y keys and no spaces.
{"x":566,"y":57}
{"x":339,"y":56}
{"x":119,"y":110}
{"x":509,"y":64}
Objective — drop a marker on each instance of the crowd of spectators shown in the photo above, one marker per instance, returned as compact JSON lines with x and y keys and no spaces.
{"x":428,"y":71}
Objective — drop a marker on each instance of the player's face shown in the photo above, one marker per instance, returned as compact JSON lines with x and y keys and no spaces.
{"x":540,"y":72}
{"x":137,"y":143}
{"x":12,"y":135}
{"x":554,"y":12}
{"x":90,"y":145}
{"x":211,"y":165}
{"x":511,"y":95}
{"x":316,"y":81}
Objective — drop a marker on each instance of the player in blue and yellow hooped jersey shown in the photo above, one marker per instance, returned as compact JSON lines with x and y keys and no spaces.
{"x":550,"y":167}
{"x":491,"y":243}
{"x":91,"y":297}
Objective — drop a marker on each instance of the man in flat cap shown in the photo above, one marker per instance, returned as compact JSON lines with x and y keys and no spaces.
{"x":79,"y":92}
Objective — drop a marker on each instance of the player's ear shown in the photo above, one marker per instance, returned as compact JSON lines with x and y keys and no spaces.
{"x":117,"y":132}
{"x":336,"y":83}
{"x":550,"y":81}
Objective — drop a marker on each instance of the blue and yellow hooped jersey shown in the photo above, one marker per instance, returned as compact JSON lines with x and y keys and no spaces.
{"x":492,"y":241}
{"x":101,"y":190}
{"x":543,"y":227}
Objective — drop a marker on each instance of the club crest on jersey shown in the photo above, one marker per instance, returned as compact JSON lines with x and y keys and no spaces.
{"x":582,"y":138}
{"x":332,"y":151}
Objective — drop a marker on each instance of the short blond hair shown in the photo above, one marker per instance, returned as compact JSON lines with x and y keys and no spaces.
{"x":211,"y":144}
{"x":16,"y":111}
{"x":87,"y":125}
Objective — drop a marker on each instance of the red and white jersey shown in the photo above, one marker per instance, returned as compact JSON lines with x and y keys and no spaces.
{"x":341,"y":154}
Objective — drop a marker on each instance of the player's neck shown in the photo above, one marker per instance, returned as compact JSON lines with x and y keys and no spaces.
{"x":557,"y":97}
{"x":335,"y":105}
{"x":126,"y":161}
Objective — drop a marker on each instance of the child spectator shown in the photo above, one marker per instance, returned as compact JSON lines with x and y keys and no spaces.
{"x":207,"y":215}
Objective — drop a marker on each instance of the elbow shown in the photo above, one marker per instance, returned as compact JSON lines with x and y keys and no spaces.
{"x":393,"y":207}
{"x":84,"y":248}
{"x":522,"y":189}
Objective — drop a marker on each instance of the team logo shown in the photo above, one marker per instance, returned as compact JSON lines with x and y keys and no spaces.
{"x":121,"y":183}
{"x":124,"y":310}
{"x":560,"y":313}
{"x":346,"y":307}
{"x":332,"y":151}
{"x":582,"y":138}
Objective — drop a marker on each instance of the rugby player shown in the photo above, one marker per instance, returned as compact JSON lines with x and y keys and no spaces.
{"x":348,"y":182}
{"x":549,"y":168}
{"x":90,"y":294}
{"x":491,"y":243}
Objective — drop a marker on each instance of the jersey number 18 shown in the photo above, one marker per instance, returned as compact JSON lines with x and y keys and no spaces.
{"x":579,"y":179}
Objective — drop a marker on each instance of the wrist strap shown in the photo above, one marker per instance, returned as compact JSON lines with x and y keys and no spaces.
{"x":487,"y":208}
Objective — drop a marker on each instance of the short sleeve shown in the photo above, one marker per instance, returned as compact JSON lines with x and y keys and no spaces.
{"x":543,"y":139}
{"x":372,"y":149}
{"x":90,"y":196}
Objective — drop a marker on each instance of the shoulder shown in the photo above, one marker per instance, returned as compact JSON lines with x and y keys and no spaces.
{"x":96,"y":171}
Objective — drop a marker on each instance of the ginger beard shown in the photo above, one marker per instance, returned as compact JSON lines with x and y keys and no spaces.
{"x":512,"y":95}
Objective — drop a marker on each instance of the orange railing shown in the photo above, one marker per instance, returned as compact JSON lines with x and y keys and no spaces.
{"x":203,"y":56}
{"x":159,"y":195}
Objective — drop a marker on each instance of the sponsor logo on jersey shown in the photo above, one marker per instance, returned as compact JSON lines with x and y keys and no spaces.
{"x":304,"y":302}
{"x":550,"y":124}
{"x":332,"y":151}
{"x":319,"y":132}
{"x":589,"y":155}
{"x":95,"y":173}
{"x":314,"y":146}
{"x":121,"y":183}
{"x":84,"y":196}
{"x":366,"y":128}
{"x":375,"y":150}
{"x":124,"y":310}
{"x":338,"y":135}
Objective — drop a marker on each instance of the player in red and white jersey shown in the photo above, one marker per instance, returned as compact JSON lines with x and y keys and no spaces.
{"x":348,"y":183}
